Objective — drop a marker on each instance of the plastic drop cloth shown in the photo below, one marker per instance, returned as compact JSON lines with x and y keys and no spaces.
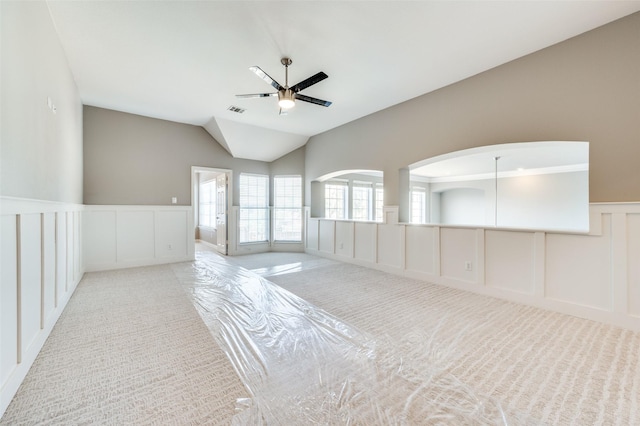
{"x":301,"y":365}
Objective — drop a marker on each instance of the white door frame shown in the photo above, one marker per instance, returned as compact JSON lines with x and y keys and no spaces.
{"x":195,"y":170}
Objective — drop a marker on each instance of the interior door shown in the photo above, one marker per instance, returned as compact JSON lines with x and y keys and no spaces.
{"x":222,"y":182}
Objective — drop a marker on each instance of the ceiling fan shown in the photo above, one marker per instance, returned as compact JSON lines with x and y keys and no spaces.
{"x":288,"y":95}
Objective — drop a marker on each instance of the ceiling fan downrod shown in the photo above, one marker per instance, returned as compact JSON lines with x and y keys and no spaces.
{"x":286,"y":96}
{"x":286,"y":62}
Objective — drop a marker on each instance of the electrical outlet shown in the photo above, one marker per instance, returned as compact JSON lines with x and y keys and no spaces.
{"x":468,"y":266}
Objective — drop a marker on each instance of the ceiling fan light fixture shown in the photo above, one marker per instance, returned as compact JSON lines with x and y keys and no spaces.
{"x":287,"y":96}
{"x":286,"y":99}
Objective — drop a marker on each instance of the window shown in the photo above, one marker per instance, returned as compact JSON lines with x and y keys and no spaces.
{"x":335,"y":200}
{"x":362,"y":195}
{"x":379,"y":202}
{"x":418,"y":205}
{"x":287,"y":208}
{"x":254,"y":208}
{"x":207,"y":204}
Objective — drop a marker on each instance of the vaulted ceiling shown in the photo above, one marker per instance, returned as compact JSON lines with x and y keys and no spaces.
{"x":185,"y":61}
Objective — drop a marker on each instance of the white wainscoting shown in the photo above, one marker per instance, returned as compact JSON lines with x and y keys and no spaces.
{"x":41,"y":265}
{"x":129,"y":236}
{"x":594,"y":275}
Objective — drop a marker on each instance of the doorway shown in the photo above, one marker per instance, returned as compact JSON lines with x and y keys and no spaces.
{"x":210,"y":201}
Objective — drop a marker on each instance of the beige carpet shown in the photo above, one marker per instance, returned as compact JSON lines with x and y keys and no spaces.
{"x":131,"y":349}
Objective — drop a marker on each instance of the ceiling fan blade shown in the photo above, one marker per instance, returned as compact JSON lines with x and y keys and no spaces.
{"x":309,"y":82}
{"x":257,"y":95}
{"x":263,"y":75}
{"x":309,"y":99}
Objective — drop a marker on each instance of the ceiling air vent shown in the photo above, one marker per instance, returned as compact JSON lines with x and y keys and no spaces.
{"x":236,"y":109}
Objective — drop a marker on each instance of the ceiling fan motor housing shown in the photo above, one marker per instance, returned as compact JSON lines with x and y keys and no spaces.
{"x":286,"y":98}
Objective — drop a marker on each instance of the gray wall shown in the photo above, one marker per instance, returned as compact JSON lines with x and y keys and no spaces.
{"x":130,"y":159}
{"x":290,"y":164}
{"x":584,"y":89}
{"x":40,"y":152}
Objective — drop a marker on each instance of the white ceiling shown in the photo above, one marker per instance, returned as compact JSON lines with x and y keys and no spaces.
{"x":513,"y":159}
{"x":185,"y":61}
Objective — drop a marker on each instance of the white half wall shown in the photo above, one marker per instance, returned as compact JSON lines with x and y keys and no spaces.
{"x":129,"y":236}
{"x":593,"y":275}
{"x":41,"y":265}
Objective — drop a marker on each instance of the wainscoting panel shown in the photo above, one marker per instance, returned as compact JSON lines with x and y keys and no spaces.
{"x":62,"y":280}
{"x":99,"y":226}
{"x":41,"y":265}
{"x":390,"y":246}
{"x":365,"y":235}
{"x":72,"y":248}
{"x":458,"y":247}
{"x":344,"y":244}
{"x":633,"y":263}
{"x":578,"y":268}
{"x":135,"y":236}
{"x":8,"y":298}
{"x":595,"y":275}
{"x":510,"y":261}
{"x":326,"y":236}
{"x":421,"y":245}
{"x":172,"y":234}
{"x":313,"y":226}
{"x":48,"y":278}
{"x":30,"y":280}
{"x":129,"y":236}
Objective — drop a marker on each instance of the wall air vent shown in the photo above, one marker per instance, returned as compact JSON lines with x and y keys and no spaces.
{"x":236,"y":109}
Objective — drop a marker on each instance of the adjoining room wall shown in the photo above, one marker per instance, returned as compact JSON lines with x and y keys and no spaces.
{"x":464,"y":206}
{"x":583,"y":89}
{"x":557,"y":201}
{"x":554,"y":201}
{"x":40,"y":188}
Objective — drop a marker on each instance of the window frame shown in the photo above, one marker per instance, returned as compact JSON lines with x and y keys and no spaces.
{"x":256,"y":206}
{"x":343,"y":187}
{"x":418,"y":190}
{"x":357,"y":187}
{"x":293,"y":205}
{"x":378,"y":208}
